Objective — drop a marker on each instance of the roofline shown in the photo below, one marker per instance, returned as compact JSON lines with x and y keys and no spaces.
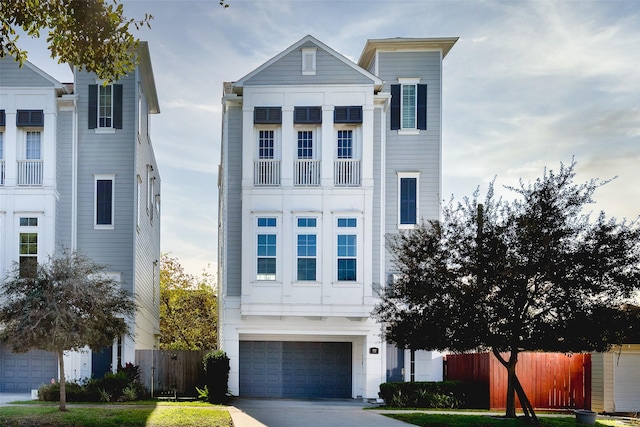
{"x":148,"y":81}
{"x":376,"y":80}
{"x":443,"y":44}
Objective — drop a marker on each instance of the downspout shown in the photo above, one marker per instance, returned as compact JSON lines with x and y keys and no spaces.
{"x":74,"y":168}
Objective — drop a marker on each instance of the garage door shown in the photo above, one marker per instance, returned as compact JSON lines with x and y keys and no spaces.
{"x":627,"y":383}
{"x":21,"y":373}
{"x":295,"y":369}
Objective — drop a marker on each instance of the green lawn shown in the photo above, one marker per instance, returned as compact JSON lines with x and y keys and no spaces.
{"x":446,"y":420}
{"x":116,"y":416}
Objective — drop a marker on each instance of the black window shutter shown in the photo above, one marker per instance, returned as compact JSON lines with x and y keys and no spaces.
{"x":30,"y":118}
{"x":422,"y":107}
{"x":352,"y":114}
{"x":117,"y":106}
{"x":2,"y":118}
{"x":395,"y":107}
{"x":267,"y":115}
{"x":307,"y":115}
{"x":92,"y":107}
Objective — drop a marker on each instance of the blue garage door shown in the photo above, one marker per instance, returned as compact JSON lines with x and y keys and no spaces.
{"x":295,"y":369}
{"x":23,"y":372}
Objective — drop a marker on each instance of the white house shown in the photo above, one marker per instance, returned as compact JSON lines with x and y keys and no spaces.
{"x":321,"y":159}
{"x":77,"y":171}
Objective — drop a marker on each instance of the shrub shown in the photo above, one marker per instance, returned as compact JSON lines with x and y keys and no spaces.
{"x":216,"y":368}
{"x":445,"y":394}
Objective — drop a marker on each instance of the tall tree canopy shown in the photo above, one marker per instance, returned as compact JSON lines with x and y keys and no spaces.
{"x":91,"y":34}
{"x":535,"y":273}
{"x":68,"y":304}
{"x":188,"y":308}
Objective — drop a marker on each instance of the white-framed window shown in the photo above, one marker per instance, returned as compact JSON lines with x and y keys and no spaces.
{"x":1,"y":158}
{"x":33,"y":144}
{"x":139,"y":202}
{"x":28,"y":246}
{"x":408,"y":106}
{"x":266,"y":143}
{"x":347,"y":249}
{"x":306,"y":248}
{"x":345,"y":144}
{"x":408,"y":197}
{"x":104,"y":191}
{"x":105,"y":106}
{"x":309,"y":61}
{"x":266,"y":248}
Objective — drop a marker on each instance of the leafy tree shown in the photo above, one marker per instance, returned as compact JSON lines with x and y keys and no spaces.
{"x":188,"y":308}
{"x":91,"y":34}
{"x":67,"y":304}
{"x":535,"y":273}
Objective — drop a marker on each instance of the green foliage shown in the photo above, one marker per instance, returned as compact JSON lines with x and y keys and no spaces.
{"x":68,"y":304}
{"x":91,"y":34}
{"x":203,"y":393}
{"x":123,"y":385}
{"x":188,"y":308}
{"x":444,"y":394}
{"x":216,"y":368}
{"x":535,"y":273}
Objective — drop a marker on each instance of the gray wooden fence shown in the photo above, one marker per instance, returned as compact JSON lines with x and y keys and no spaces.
{"x":169,"y":372}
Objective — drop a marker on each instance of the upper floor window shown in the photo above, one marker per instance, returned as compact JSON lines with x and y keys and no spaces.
{"x":266,"y":144}
{"x":1,"y":159}
{"x":305,"y":144}
{"x":345,"y":144}
{"x":407,"y":199}
{"x":307,"y":246}
{"x":266,"y":248}
{"x":32,"y":146}
{"x":105,"y":106}
{"x":3,"y":118}
{"x":409,"y":105}
{"x":309,"y":61}
{"x":28,"y":246}
{"x":347,"y":249}
{"x":104,"y":201}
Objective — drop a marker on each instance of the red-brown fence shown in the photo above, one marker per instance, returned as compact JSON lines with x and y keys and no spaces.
{"x":550,"y":380}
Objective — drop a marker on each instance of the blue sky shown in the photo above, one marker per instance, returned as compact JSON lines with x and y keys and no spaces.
{"x":529,"y":84}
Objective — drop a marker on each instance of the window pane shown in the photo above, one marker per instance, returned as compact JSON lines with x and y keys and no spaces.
{"x":266,"y":269}
{"x":408,"y":199}
{"x":306,"y":269}
{"x":307,"y":245}
{"x":347,"y":222}
{"x":104,"y":106}
{"x":266,"y":144}
{"x":347,"y":245}
{"x":33,"y":146}
{"x":347,"y":269}
{"x":306,"y":222}
{"x":266,"y":222}
{"x":305,"y":144}
{"x":408,"y":106}
{"x":104,"y":201}
{"x":28,"y":266}
{"x":267,"y":245}
{"x":345,"y":144}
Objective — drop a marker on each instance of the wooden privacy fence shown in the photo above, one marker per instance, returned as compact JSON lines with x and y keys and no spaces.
{"x":169,"y":372}
{"x":550,"y":380}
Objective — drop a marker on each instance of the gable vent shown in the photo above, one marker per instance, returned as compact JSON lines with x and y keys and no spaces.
{"x":30,"y":118}
{"x":307,"y":115}
{"x":2,"y":118}
{"x":267,"y":115}
{"x":352,"y":114}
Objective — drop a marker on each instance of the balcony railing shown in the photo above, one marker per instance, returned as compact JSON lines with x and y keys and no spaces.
{"x":346,"y":173}
{"x":306,"y":173}
{"x":1,"y":172}
{"x":266,"y":172}
{"x":30,"y":173}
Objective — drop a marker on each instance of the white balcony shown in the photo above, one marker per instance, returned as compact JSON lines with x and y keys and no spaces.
{"x":346,"y":173}
{"x":30,"y":173}
{"x":306,"y":173}
{"x":266,"y":172}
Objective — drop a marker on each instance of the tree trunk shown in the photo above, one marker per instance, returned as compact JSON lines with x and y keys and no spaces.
{"x":514,"y":386}
{"x":63,"y":391}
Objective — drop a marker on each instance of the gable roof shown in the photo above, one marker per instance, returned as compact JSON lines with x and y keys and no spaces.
{"x":376,"y":80}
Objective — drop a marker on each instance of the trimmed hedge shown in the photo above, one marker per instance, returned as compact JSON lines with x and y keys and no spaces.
{"x":444,"y":394}
{"x":216,"y":369}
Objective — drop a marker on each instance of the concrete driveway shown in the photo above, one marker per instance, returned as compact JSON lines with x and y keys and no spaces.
{"x":13,"y":397}
{"x":307,"y":413}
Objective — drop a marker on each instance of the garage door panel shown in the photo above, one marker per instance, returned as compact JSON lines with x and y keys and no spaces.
{"x":21,"y":373}
{"x":627,"y":380}
{"x":295,"y":369}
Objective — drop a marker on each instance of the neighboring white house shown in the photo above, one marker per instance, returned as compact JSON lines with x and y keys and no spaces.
{"x":321,"y":159}
{"x":615,"y":379}
{"x":77,"y":171}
